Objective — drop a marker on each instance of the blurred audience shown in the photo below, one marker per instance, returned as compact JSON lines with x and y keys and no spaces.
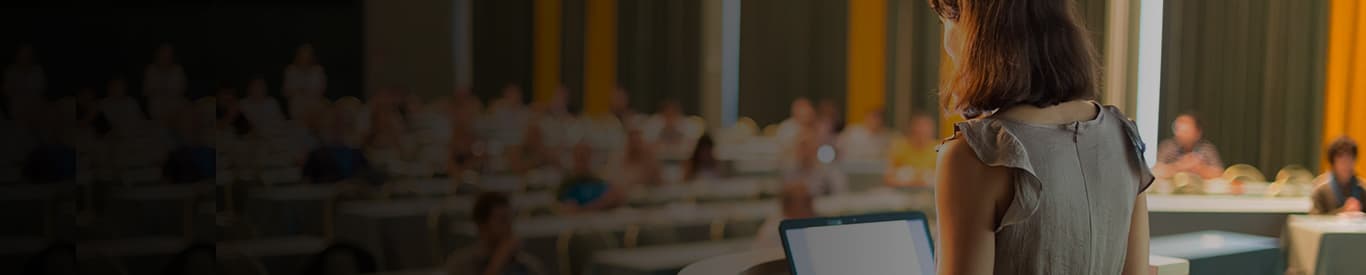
{"x":864,"y":141}
{"x":802,"y":119}
{"x":669,"y":130}
{"x":1187,"y":151}
{"x":829,"y":122}
{"x":335,"y":160}
{"x":797,"y":203}
{"x":498,"y":250}
{"x":637,"y":166}
{"x":123,"y":111}
{"x":814,"y":171}
{"x":24,"y":84}
{"x":583,"y":189}
{"x":531,"y":154}
{"x":703,"y":165}
{"x":912,"y":157}
{"x":305,"y":85}
{"x":258,"y":107}
{"x":1340,"y":189}
{"x":229,"y":113}
{"x":621,"y":108}
{"x":163,"y":84}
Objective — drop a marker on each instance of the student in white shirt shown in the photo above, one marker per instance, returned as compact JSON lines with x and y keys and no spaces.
{"x":259,"y":108}
{"x":864,"y":141}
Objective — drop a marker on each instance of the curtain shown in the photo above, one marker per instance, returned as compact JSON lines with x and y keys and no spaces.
{"x":1252,"y":71}
{"x":1346,"y":79}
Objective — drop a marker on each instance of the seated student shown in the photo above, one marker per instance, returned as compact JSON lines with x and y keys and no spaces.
{"x":583,"y":189}
{"x":796,"y":204}
{"x":807,"y":169}
{"x":802,"y":120}
{"x":1340,"y":189}
{"x":335,"y":160}
{"x":260,"y":108}
{"x":498,"y":250}
{"x":1187,"y":152}
{"x":669,"y":130}
{"x":911,"y":161}
{"x":637,"y":166}
{"x":123,"y":112}
{"x":703,"y":165}
{"x":864,"y":141}
{"x":532,"y":154}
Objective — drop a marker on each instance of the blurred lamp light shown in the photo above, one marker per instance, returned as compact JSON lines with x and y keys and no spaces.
{"x":826,"y":154}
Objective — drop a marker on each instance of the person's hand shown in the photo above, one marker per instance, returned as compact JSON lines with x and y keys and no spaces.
{"x":1352,"y":205}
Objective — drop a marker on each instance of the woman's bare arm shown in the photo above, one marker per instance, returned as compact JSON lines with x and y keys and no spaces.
{"x":972,"y":197}
{"x":1136,"y":261}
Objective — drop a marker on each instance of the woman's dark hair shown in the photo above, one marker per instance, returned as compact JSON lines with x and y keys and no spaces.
{"x":1341,"y":146}
{"x":486,"y":203}
{"x":704,"y":147}
{"x":1017,"y":52}
{"x":181,"y":260}
{"x":365,"y":262}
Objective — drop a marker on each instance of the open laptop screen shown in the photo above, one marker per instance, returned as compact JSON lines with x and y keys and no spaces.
{"x":878,"y":247}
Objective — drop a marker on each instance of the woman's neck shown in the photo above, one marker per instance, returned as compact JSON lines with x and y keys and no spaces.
{"x":1063,"y":113}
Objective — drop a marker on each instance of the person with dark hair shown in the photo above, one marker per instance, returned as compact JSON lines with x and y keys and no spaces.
{"x":702,"y":164}
{"x":1187,"y":151}
{"x":198,"y":259}
{"x":1340,"y":189}
{"x":343,"y":259}
{"x":583,"y":189}
{"x":498,"y":251}
{"x":1040,"y":179}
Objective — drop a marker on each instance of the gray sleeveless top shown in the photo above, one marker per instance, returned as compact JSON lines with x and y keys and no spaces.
{"x":1075,"y":186}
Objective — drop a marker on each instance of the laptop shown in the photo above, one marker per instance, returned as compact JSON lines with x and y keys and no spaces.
{"x":887,"y":243}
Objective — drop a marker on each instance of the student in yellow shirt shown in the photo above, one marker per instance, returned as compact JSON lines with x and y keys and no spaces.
{"x":912,"y":156}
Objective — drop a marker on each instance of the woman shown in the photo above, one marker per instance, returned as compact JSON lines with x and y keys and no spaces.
{"x":637,"y":166}
{"x":259,"y":108}
{"x":1040,"y":180}
{"x":703,"y":164}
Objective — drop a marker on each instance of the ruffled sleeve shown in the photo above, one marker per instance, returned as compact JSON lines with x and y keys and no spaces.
{"x":1146,"y":177}
{"x":997,"y":146}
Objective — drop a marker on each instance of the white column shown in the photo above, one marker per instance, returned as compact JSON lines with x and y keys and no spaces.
{"x":730,"y":61}
{"x":1149,"y":73}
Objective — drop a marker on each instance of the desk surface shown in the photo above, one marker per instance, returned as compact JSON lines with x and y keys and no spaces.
{"x":1226,"y":204}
